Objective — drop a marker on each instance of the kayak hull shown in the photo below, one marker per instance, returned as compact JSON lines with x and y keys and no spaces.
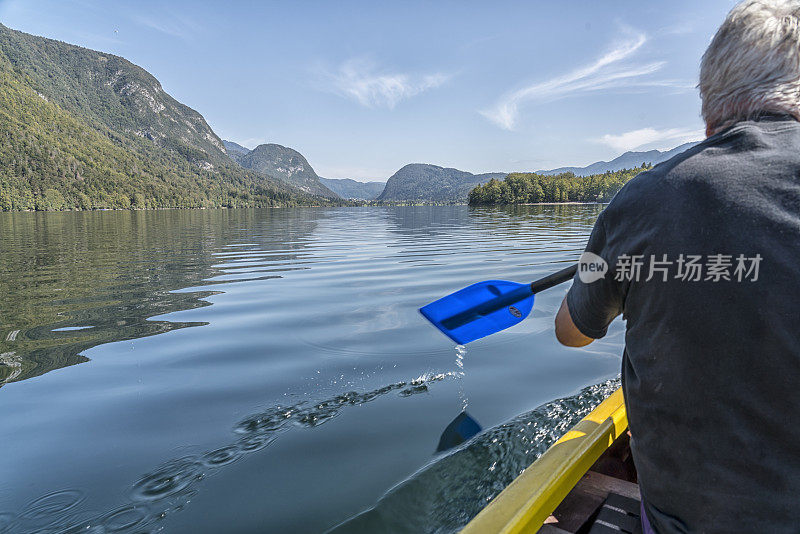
{"x":565,"y":488}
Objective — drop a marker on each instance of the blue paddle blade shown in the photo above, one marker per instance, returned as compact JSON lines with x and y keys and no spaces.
{"x":480,"y":310}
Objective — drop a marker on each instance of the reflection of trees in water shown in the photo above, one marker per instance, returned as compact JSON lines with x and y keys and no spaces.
{"x":434,"y":220}
{"x":548,"y":231}
{"x":169,"y":487}
{"x":113,"y":270}
{"x":554,"y":217}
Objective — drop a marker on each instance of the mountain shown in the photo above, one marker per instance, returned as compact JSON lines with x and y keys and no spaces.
{"x":235,"y":148}
{"x":351,"y":189}
{"x":285,"y":164}
{"x":628,"y":160}
{"x":84,"y":129}
{"x":110,"y":91}
{"x":422,"y":182}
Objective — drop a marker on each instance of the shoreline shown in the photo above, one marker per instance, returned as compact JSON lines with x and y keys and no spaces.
{"x":552,"y":203}
{"x":364,"y":205}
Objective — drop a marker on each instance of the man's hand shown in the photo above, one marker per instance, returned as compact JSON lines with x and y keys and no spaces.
{"x":566,"y":331}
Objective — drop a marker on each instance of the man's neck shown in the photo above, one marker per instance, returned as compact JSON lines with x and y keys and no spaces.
{"x":760,"y":116}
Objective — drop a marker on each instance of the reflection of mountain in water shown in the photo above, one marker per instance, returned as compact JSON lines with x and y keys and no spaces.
{"x":112,"y":271}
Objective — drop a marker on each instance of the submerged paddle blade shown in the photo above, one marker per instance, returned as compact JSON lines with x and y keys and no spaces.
{"x":458,"y":431}
{"x":480,"y":310}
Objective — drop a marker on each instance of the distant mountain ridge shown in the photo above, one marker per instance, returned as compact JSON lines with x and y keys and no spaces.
{"x":352,"y":189}
{"x":419,"y":182}
{"x":422,"y":182}
{"x":282,"y":163}
{"x":628,"y":160}
{"x":235,"y":148}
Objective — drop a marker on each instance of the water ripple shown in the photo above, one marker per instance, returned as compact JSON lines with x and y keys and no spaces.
{"x":223,"y":456}
{"x":170,"y":487}
{"x":170,"y":478}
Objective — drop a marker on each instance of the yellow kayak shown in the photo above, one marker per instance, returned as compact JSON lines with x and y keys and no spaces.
{"x":584,"y":483}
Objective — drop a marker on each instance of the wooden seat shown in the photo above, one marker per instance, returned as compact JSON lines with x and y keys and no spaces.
{"x":578,"y":510}
{"x":607,"y":491}
{"x":618,"y":515}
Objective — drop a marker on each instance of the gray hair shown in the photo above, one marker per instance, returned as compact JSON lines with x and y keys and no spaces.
{"x":752,"y":64}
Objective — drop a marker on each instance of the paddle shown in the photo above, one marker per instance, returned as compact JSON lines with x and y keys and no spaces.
{"x":488,"y":307}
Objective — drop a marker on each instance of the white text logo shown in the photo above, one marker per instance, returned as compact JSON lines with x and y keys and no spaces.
{"x":591,"y":267}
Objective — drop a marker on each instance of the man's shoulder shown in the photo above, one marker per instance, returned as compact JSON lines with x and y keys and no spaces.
{"x":741,"y":151}
{"x":651,"y":190}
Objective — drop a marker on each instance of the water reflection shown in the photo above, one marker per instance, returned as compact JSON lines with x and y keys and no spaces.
{"x":441,"y":497}
{"x":307,"y":314}
{"x":170,"y":487}
{"x":71,"y":281}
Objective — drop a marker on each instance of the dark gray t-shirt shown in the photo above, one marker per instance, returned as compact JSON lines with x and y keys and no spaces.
{"x":711,"y":370}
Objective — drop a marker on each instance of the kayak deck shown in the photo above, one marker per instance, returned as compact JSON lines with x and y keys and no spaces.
{"x":585,"y":483}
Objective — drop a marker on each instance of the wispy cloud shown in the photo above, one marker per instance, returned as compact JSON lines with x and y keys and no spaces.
{"x":363,"y":81}
{"x":172,"y":24}
{"x":682,"y":28}
{"x":650,"y":136}
{"x":607,"y":72}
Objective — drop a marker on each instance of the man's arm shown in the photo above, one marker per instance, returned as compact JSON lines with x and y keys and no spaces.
{"x":566,"y":331}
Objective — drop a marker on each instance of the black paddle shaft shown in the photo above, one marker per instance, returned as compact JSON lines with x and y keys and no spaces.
{"x":554,"y":279}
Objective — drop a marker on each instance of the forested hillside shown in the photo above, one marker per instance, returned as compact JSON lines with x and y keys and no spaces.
{"x":529,"y":188}
{"x":85,"y":130}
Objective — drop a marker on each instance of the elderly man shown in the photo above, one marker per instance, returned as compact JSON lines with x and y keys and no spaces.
{"x":703,"y":255}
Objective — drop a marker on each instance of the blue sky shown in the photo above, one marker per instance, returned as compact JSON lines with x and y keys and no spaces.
{"x":362,"y":88}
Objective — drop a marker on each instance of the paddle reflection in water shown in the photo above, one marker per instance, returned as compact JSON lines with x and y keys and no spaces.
{"x":464,"y":426}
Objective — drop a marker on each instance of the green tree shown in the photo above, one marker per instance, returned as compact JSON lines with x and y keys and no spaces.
{"x":518,"y":188}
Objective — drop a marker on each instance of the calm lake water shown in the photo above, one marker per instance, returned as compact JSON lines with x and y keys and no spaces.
{"x":268,"y":371}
